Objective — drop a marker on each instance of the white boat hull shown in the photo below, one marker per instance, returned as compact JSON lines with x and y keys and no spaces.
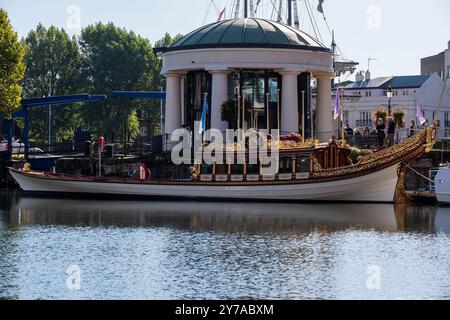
{"x":375,"y":187}
{"x":442,"y":185}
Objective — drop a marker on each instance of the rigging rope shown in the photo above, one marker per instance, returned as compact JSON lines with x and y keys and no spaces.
{"x":311,"y":19}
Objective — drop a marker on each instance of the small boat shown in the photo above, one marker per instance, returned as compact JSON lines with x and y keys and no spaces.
{"x":308,"y":172}
{"x":442,"y":185}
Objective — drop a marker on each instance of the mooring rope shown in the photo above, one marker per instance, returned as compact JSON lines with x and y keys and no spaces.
{"x":418,"y":173}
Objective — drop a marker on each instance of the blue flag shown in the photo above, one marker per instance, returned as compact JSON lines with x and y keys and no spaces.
{"x":202,"y":126}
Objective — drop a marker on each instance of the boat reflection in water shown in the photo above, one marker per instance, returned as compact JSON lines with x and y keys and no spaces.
{"x":200,"y":250}
{"x":230,"y":217}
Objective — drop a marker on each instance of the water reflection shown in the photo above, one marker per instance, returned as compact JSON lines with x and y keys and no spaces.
{"x":191,"y":250}
{"x":228,"y":217}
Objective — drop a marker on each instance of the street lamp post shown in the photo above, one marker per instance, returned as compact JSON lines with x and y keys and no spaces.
{"x":389,"y":93}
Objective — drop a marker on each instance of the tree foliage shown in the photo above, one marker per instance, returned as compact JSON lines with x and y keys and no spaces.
{"x":53,"y":64}
{"x":12,"y":67}
{"x":166,"y":41}
{"x":102,"y":59}
{"x":114,"y":59}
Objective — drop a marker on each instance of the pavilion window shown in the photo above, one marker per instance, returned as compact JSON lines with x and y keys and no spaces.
{"x":197,"y":84}
{"x":302,"y":164}
{"x":253,"y":169}
{"x":206,"y":169}
{"x":221,"y":169}
{"x":285,"y":165}
{"x":237,"y":169}
{"x":259,"y":89}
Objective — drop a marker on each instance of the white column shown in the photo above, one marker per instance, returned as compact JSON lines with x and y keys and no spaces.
{"x":289,"y":103}
{"x":324,"y":114}
{"x":182,"y":86}
{"x":173,"y":102}
{"x":219,"y":94}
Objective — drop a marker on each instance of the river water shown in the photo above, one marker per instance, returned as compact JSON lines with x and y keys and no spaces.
{"x":87,"y":249}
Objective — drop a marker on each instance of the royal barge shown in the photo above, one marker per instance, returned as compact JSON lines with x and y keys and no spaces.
{"x":306,"y":172}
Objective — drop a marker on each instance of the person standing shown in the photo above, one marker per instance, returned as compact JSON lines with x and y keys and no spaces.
{"x":412,"y":129}
{"x":391,"y":132}
{"x":380,"y":132}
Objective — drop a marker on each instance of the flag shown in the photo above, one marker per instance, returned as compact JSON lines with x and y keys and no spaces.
{"x":419,"y":115}
{"x":202,"y":126}
{"x":337,"y":105}
{"x":221,"y":14}
{"x":320,"y":6}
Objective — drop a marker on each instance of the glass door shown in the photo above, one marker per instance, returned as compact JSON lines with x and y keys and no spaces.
{"x":259,"y":93}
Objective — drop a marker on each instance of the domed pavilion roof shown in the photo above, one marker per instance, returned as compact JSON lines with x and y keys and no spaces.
{"x":247,"y":33}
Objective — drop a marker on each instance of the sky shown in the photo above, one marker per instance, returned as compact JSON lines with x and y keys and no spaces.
{"x":396,"y":33}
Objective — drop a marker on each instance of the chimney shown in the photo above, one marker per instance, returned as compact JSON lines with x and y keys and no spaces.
{"x":367,"y":75}
{"x":359,"y":77}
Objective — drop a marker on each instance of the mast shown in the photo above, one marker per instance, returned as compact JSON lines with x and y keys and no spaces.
{"x":333,"y":47}
{"x":245,"y":8}
{"x":289,"y":20}
{"x":296,"y":17}
{"x":280,"y":8}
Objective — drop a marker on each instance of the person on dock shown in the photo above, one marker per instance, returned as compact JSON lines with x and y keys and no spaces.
{"x":348,"y":130}
{"x":380,"y":132}
{"x":412,"y":129}
{"x":391,"y":132}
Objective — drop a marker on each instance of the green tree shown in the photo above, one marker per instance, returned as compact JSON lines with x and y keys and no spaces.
{"x":166,"y":41}
{"x":53,"y":65}
{"x":115,"y":59}
{"x":12,"y":67}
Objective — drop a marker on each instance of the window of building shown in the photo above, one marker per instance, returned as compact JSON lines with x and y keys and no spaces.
{"x":365,"y":119}
{"x":447,"y":133}
{"x":143,"y":131}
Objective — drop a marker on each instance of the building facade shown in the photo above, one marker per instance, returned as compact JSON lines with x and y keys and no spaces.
{"x":439,"y":63}
{"x":363,"y":99}
{"x":263,"y":69}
